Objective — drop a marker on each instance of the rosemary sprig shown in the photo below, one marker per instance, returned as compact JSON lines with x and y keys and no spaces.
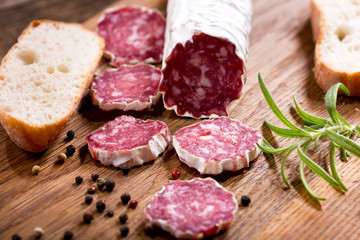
{"x":337,"y":129}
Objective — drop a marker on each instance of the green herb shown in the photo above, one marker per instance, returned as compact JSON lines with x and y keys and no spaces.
{"x":337,"y":129}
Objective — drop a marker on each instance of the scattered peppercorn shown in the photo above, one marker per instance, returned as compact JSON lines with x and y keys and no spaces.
{"x":91,"y":190}
{"x":15,"y":237}
{"x":78,"y":180}
{"x":70,"y":135}
{"x":110,"y":213}
{"x":100,"y":183}
{"x":95,"y":176}
{"x":38,"y":232}
{"x":175,"y":173}
{"x":123,"y":218}
{"x":88,"y":199}
{"x":125,"y":198}
{"x":36,"y":169}
{"x":100,"y":206}
{"x":124,"y":230}
{"x":68,"y":235}
{"x":110,"y":184}
{"x":245,"y":200}
{"x":133,"y":204}
{"x":61,"y":158}
{"x":70,"y":150}
{"x":88,"y":217}
{"x":125,"y":171}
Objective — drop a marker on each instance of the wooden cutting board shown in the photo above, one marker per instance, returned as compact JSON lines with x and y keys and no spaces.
{"x":281,"y":48}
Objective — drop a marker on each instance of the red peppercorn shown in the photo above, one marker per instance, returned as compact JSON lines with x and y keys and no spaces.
{"x":133,"y":204}
{"x":175,"y":173}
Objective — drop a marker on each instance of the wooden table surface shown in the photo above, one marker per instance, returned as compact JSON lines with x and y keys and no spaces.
{"x":281,"y":48}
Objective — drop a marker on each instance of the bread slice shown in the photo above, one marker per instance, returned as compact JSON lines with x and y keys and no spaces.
{"x":336,"y":29}
{"x":42,"y":80}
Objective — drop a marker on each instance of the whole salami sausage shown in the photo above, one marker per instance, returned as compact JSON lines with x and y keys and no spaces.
{"x":214,"y":146}
{"x":205,"y":52}
{"x":127,"y":141}
{"x":192,"y":209}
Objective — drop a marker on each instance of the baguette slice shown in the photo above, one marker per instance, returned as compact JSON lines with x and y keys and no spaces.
{"x":336,"y":30}
{"x":42,"y":80}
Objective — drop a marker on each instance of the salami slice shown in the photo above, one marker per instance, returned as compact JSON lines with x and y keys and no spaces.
{"x":132,"y":34}
{"x":217,"y":145}
{"x":127,"y":141}
{"x":206,"y":46}
{"x":192,"y":209}
{"x":130,"y":87}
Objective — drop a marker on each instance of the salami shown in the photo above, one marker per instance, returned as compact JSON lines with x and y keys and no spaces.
{"x":206,"y":46}
{"x":132,"y":34}
{"x":214,"y":146}
{"x":127,"y":141}
{"x":130,"y":87}
{"x":192,"y":209}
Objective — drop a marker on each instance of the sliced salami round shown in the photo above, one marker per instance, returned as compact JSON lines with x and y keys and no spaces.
{"x":205,"y":52}
{"x":214,"y":146}
{"x":130,"y":87}
{"x":192,"y":209}
{"x":127,"y":141}
{"x":132,"y":34}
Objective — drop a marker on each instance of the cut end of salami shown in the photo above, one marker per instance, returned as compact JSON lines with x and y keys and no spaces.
{"x":192,"y":209}
{"x":217,"y":145}
{"x":132,"y":34}
{"x":127,"y":141}
{"x":130,"y":87}
{"x":202,"y":77}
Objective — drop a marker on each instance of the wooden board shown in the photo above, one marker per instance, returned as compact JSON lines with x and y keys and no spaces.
{"x":281,"y":48}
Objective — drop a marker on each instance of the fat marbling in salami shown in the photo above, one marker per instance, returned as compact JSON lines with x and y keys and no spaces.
{"x":127,"y":141}
{"x":130,"y":87}
{"x":205,"y":52}
{"x":191,"y":209}
{"x":132,"y":34}
{"x":214,"y":146}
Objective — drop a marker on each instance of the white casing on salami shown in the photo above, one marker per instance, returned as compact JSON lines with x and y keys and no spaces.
{"x":188,"y":17}
{"x":188,"y":234}
{"x":136,"y":156}
{"x":216,"y":167}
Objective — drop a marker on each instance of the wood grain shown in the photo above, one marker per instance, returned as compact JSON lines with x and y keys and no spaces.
{"x":281,"y":48}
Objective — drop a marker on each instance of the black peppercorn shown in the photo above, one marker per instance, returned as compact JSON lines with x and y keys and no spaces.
{"x":95,"y":176}
{"x":110,"y":184}
{"x":100,"y":206}
{"x":125,"y":171}
{"x":124,"y":230}
{"x":88,"y":199}
{"x":70,"y":150}
{"x":123,"y":218}
{"x":125,"y":198}
{"x":68,"y":235}
{"x":15,"y":237}
{"x":70,"y":135}
{"x":88,"y":217}
{"x":110,"y":213}
{"x":91,"y":190}
{"x":78,"y":180}
{"x":245,"y":200}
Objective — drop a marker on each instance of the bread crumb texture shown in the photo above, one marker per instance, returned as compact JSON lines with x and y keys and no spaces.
{"x":43,"y":75}
{"x":340,"y":45}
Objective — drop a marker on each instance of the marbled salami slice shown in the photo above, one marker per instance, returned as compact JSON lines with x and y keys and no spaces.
{"x":206,"y":46}
{"x":127,"y":141}
{"x":192,"y":209}
{"x":130,"y":87}
{"x":214,"y":146}
{"x":132,"y":34}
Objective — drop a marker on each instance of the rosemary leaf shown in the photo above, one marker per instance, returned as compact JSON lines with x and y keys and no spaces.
{"x":282,"y":169}
{"x":284,"y":132}
{"x":344,"y":142}
{"x":308,"y":118}
{"x":302,"y":177}
{"x":333,"y":167}
{"x":330,"y":102}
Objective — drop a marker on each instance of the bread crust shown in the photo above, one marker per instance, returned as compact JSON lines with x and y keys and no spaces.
{"x":38,"y":138}
{"x":325,"y":75}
